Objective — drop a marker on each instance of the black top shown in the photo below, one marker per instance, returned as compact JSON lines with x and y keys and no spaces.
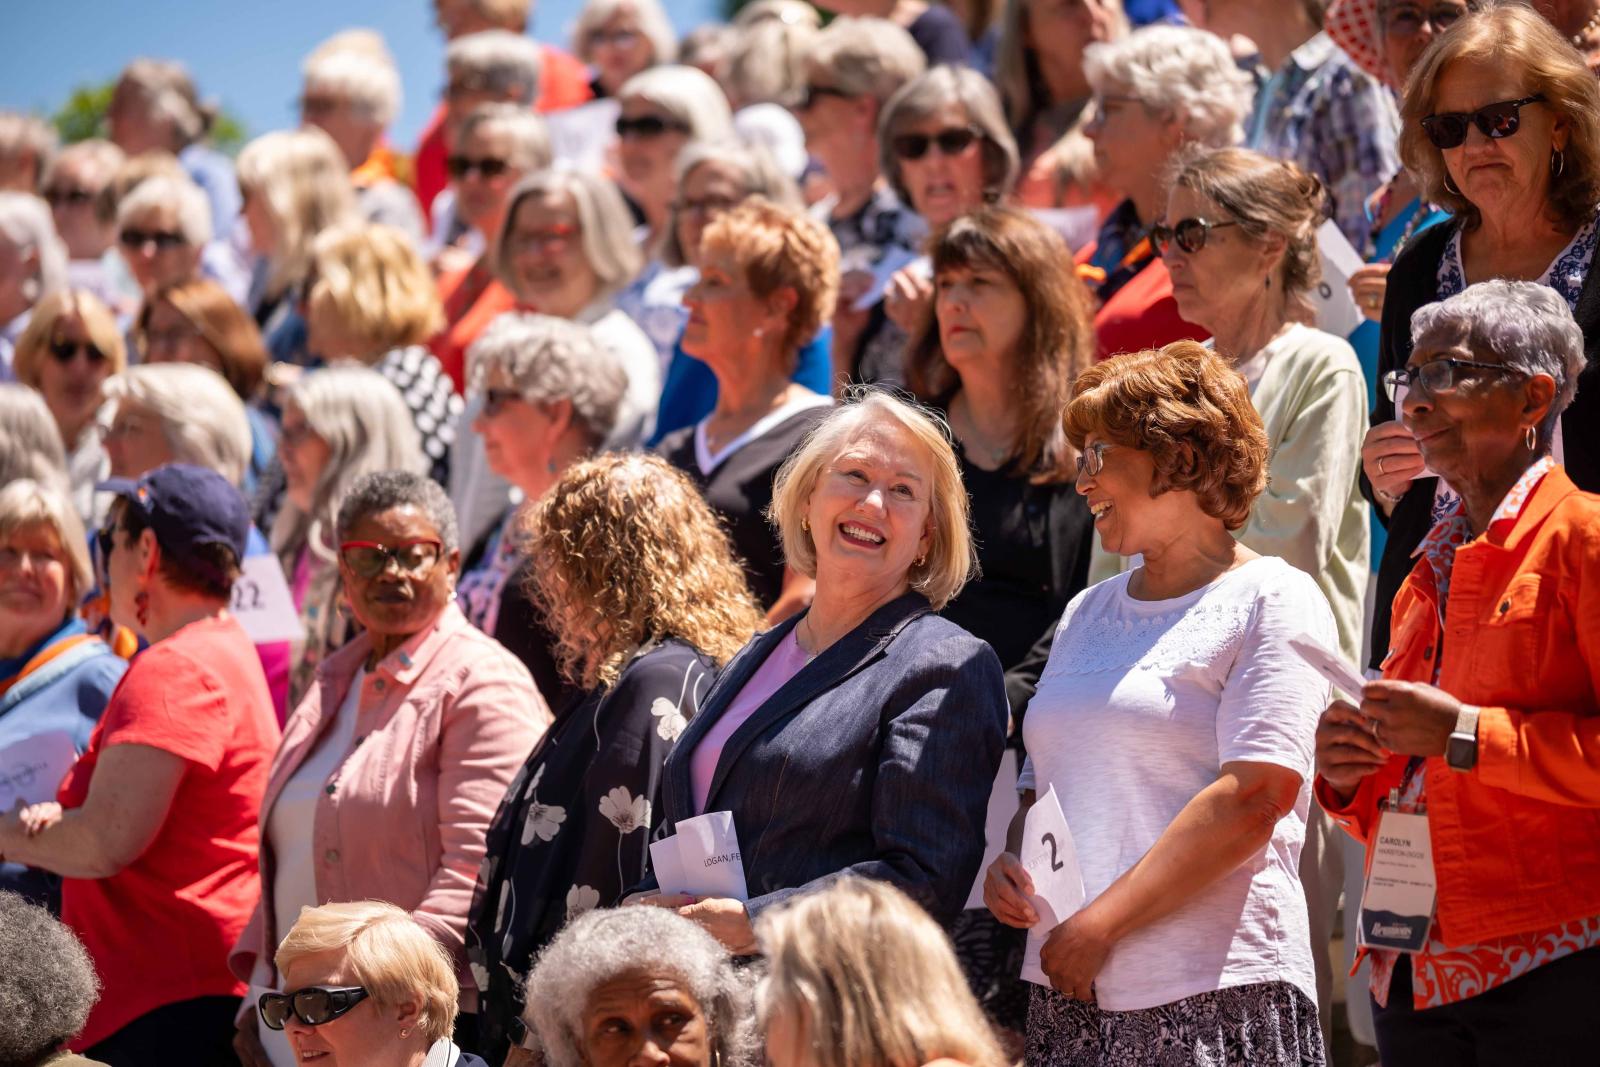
{"x":1414,"y":282}
{"x":573,"y":831}
{"x":740,"y":489}
{"x":1033,"y":546}
{"x":520,"y":627}
{"x":941,"y":36}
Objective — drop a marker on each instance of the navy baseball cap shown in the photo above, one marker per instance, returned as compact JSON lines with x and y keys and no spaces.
{"x":186,"y":507}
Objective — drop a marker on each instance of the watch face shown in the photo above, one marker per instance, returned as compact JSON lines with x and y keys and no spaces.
{"x":1461,"y":752}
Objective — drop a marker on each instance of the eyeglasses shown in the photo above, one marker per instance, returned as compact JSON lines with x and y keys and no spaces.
{"x":710,"y":205}
{"x":1189,"y":234}
{"x":317,"y":105}
{"x":59,"y":198}
{"x":368,"y":559}
{"x":647,"y":127}
{"x":461,"y":166}
{"x":313,"y":1005}
{"x":614,"y":38}
{"x":551,"y":239}
{"x":63,"y":351}
{"x":1441,"y":375}
{"x":951,"y":142}
{"x":125,"y":426}
{"x":1407,"y":20}
{"x":295,"y":434}
{"x":468,"y":84}
{"x":1495,"y":121}
{"x":1093,"y":459}
{"x":497,"y":400}
{"x":814,"y":93}
{"x":164,"y":240}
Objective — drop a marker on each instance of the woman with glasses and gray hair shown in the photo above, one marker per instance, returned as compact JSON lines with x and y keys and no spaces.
{"x":1486,"y":719}
{"x":396,"y":760}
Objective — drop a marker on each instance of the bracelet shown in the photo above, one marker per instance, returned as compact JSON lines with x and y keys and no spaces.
{"x":1387,"y":499}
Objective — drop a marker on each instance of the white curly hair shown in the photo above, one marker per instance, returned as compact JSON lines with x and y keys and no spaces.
{"x":1184,"y":72}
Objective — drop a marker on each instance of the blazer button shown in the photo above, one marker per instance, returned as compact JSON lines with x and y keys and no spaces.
{"x":332,"y":855}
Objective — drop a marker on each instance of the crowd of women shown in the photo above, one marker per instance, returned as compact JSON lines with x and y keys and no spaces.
{"x":856,"y":439}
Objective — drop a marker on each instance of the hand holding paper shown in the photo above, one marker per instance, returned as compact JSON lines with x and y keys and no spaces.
{"x":1340,"y":672}
{"x":702,"y":859}
{"x":1051,"y":860}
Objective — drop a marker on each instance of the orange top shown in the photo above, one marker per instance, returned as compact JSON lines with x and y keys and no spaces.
{"x":1516,"y":840}
{"x":384,"y":164}
{"x":472,"y":299}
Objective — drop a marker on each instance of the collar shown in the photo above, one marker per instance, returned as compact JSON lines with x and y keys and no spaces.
{"x":403,"y":664}
{"x":16,"y":665}
{"x":1505,"y":520}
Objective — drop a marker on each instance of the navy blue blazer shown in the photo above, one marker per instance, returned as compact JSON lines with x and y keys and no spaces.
{"x":877,"y":759}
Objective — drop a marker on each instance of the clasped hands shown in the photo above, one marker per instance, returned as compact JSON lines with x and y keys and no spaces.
{"x":1075,"y":951}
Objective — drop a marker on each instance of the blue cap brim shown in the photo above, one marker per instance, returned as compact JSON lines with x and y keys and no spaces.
{"x":119,"y":486}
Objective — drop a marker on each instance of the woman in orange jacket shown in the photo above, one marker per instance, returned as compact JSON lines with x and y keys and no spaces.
{"x":1486,"y":718}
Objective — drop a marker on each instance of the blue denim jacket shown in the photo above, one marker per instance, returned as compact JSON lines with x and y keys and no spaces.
{"x":877,"y":758}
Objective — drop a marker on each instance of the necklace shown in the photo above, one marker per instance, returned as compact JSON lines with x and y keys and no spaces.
{"x":810,"y":655}
{"x":973,"y":440}
{"x":1581,"y":38}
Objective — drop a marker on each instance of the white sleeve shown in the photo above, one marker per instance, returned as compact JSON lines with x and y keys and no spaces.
{"x":1025,"y":780}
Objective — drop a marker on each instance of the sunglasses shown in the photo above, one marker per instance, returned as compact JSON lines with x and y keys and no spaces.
{"x":814,"y":93}
{"x":706,"y":206}
{"x":1189,"y":234}
{"x":1494,"y":121}
{"x":648,"y":126}
{"x":461,"y":166}
{"x":368,"y":559}
{"x":164,"y":240}
{"x":614,"y":38}
{"x":1440,"y":375}
{"x":497,"y":400}
{"x":1407,"y":20}
{"x":59,"y":198}
{"x":64,"y":351}
{"x":553,"y":239}
{"x":951,"y":142}
{"x":313,"y":1005}
{"x":105,"y":539}
{"x":1093,"y":459}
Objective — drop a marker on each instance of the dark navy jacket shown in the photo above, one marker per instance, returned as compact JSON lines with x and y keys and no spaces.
{"x":877,"y":759}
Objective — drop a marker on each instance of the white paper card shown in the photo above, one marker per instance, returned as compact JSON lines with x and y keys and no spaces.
{"x":1397,"y":903}
{"x":1078,"y":226}
{"x":1340,"y":672}
{"x":1051,"y":860}
{"x":31,"y":769}
{"x":704,"y":858}
{"x":1336,"y":308}
{"x":666,"y":865}
{"x":262,"y":603}
{"x":894,"y":257}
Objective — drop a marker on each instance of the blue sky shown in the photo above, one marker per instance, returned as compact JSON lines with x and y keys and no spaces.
{"x":245,"y":52}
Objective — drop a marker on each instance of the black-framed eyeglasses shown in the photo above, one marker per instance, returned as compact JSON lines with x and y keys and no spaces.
{"x":60,"y":198}
{"x":461,"y":166}
{"x":1189,"y":234}
{"x":648,"y":127}
{"x":951,"y":142}
{"x":1407,"y":20}
{"x":497,"y":400}
{"x":1092,"y":460}
{"x":1448,"y":129}
{"x":1441,"y":375}
{"x":64,"y":351}
{"x":164,"y":240}
{"x":813,"y":93}
{"x":313,"y":1005}
{"x":368,"y":559}
{"x":707,"y":206}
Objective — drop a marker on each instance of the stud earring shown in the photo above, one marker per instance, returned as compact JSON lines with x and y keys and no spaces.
{"x":805,"y":524}
{"x":141,"y":607}
{"x":405,"y":1032}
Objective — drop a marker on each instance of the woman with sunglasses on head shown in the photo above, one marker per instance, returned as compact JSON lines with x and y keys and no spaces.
{"x":154,"y":828}
{"x":1501,"y":125}
{"x":363,"y":985}
{"x":71,"y":346}
{"x":394,"y":763}
{"x":1156,"y":90}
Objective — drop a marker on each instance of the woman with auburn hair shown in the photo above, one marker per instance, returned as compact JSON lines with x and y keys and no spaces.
{"x":858,"y":974}
{"x":647,"y":602}
{"x":1175,"y":724}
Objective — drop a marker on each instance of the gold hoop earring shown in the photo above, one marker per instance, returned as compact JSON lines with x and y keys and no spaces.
{"x":919,"y":561}
{"x":1531,"y":439}
{"x":1558,"y":163}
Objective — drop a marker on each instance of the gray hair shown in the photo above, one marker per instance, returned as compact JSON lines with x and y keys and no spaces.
{"x":27,"y":502}
{"x":688,"y":94}
{"x":605,"y":944}
{"x":21,"y":133}
{"x":506,"y":61}
{"x":1527,"y":325}
{"x":758,"y":172}
{"x":867,"y":56}
{"x":653,"y":23}
{"x":924,"y":96}
{"x":1184,"y":72}
{"x":356,"y":65}
{"x":530,"y":136}
{"x":183,"y":196}
{"x":549,"y":360}
{"x":201,"y":416}
{"x":30,"y":444}
{"x":26,"y":222}
{"x":172,"y":97}
{"x":47,"y":982}
{"x":603,"y":218}
{"x":383,"y":490}
{"x":765,"y":60}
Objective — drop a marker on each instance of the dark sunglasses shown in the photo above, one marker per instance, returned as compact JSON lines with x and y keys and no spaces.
{"x":461,"y":166}
{"x":164,"y":240}
{"x":368,"y":559}
{"x":648,"y":126}
{"x":1495,"y":121}
{"x":814,"y":93}
{"x":497,"y":400}
{"x":313,"y":1005}
{"x":1189,"y":234}
{"x":63,"y":351}
{"x":59,"y":198}
{"x":105,"y":539}
{"x":1407,"y":20}
{"x":1440,"y":375}
{"x":951,"y":142}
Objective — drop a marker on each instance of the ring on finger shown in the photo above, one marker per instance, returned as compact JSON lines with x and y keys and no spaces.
{"x":1380,"y":465}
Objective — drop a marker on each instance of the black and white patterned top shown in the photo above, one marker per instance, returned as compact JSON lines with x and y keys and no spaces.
{"x":434,"y":405}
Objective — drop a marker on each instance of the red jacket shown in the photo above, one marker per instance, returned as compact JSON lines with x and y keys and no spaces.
{"x":1142,"y":314}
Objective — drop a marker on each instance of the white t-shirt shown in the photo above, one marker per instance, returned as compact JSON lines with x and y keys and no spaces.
{"x":1138,"y":707}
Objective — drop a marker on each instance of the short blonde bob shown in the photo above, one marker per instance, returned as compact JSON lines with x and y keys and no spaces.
{"x":304,"y":181}
{"x":98,"y":321}
{"x":1190,"y":410}
{"x":370,"y":278}
{"x":386,"y":952}
{"x":952,"y":557}
{"x":781,"y":248}
{"x":25,"y":503}
{"x":858,"y":969}
{"x":1515,"y":38}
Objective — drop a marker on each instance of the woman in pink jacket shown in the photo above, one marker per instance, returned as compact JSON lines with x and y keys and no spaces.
{"x":394,"y":763}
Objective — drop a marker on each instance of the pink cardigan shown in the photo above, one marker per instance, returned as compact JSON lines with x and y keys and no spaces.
{"x":443,"y":724}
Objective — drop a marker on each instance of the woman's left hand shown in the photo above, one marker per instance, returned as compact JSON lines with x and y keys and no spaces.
{"x":1410,"y":718}
{"x":1074,"y":953}
{"x":724,"y":919}
{"x":907,"y":299}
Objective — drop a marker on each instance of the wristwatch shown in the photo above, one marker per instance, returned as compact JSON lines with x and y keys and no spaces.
{"x":1461,"y":750}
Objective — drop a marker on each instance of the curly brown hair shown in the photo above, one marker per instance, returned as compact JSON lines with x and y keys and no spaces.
{"x":1190,"y":410}
{"x":624,"y":550}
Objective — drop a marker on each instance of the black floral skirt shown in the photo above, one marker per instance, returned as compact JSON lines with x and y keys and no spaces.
{"x":990,"y":954}
{"x":1270,"y":1024}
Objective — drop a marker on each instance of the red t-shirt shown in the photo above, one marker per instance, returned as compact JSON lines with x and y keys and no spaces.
{"x":160,"y":930}
{"x":1142,"y":314}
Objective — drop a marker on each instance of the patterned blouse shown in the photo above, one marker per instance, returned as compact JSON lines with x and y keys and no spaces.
{"x":1440,"y":974}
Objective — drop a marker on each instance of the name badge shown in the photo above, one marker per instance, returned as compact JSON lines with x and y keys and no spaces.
{"x":1397,"y":903}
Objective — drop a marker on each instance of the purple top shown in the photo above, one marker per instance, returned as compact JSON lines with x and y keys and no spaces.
{"x":783,"y":663}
